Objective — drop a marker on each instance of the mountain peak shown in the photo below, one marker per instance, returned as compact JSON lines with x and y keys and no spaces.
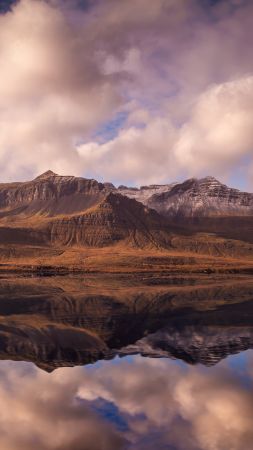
{"x":210,"y":179}
{"x":47,"y":174}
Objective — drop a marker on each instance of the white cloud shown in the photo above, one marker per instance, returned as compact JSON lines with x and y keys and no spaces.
{"x":136,"y":154}
{"x":51,"y":90}
{"x":216,"y":136}
{"x":182,"y":75}
{"x":219,"y":131}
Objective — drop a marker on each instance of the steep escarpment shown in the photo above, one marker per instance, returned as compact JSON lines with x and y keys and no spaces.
{"x":116,"y":218}
{"x":63,"y":211}
{"x":194,"y":198}
{"x":201,"y":205}
{"x":50,"y":194}
{"x":59,"y":211}
{"x":145,"y":193}
{"x":206,"y":197}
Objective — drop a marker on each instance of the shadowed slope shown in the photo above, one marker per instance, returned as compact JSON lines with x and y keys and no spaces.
{"x":116,"y":218}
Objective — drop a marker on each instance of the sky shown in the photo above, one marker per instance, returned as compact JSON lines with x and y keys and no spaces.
{"x":133,"y":91}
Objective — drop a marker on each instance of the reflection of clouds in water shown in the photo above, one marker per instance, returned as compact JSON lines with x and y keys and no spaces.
{"x":193,"y":408}
{"x":152,"y":403}
{"x":42,"y":411}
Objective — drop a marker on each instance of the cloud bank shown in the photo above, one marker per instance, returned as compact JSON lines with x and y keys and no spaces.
{"x":178,"y":73}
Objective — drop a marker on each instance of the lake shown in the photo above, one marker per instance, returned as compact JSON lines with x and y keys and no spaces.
{"x":110,"y":363}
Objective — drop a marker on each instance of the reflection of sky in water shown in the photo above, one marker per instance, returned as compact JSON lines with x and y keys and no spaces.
{"x":110,"y":412}
{"x":129,"y":403}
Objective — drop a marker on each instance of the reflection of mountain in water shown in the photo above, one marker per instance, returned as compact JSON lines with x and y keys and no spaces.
{"x":194,"y":343}
{"x":69,"y":322}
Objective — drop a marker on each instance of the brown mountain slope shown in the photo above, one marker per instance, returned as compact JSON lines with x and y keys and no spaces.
{"x":50,"y":194}
{"x":194,"y":198}
{"x":52,"y":213}
{"x":201,"y":205}
{"x":115,"y":219}
{"x":64,"y":210}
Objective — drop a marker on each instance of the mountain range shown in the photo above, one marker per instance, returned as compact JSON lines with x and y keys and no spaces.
{"x":205,"y":197}
{"x":197,"y":215}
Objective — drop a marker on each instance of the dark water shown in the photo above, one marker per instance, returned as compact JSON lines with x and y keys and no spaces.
{"x":106,"y":364}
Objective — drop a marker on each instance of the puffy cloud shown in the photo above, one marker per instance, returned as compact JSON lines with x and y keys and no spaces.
{"x":214,"y":138}
{"x":52,"y":91}
{"x":219,"y":130}
{"x":136,"y":154}
{"x":179,"y":70}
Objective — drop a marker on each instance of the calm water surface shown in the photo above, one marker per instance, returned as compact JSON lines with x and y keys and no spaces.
{"x":164,"y":367}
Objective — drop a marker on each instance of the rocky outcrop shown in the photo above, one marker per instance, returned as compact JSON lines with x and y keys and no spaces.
{"x":117,"y":218}
{"x":201,"y":205}
{"x":194,"y":198}
{"x":66,"y":210}
{"x":50,"y":194}
{"x":145,"y":193}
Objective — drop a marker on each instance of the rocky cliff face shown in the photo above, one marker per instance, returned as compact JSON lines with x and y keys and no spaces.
{"x":116,"y":218}
{"x":62,"y":210}
{"x":65,"y":210}
{"x":145,"y":193}
{"x":51,"y":194}
{"x":206,"y":197}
